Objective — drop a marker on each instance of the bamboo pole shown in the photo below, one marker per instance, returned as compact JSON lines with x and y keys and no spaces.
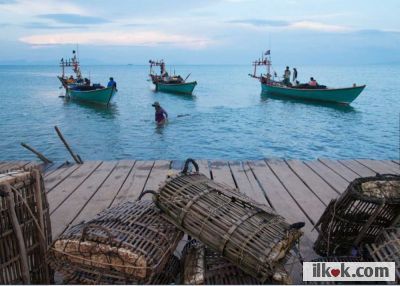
{"x":38,"y":154}
{"x":39,"y":205}
{"x":75,"y":157}
{"x":18,"y":233}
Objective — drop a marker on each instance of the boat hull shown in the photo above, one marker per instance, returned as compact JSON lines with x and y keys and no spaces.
{"x":338,"y":95}
{"x":98,"y":96}
{"x":184,"y":88}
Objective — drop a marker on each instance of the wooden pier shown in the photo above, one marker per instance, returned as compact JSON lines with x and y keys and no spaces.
{"x":298,"y":190}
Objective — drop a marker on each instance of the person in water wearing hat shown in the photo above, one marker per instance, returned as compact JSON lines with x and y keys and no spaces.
{"x":160,"y":112}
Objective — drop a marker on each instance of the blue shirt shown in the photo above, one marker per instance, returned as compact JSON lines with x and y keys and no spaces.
{"x":112,"y":83}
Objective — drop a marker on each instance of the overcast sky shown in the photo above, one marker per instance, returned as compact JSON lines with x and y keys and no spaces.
{"x":201,"y":32}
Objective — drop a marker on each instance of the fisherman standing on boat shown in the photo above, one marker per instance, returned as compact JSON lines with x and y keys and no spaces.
{"x":160,"y":112}
{"x":112,"y":83}
{"x":286,"y":77}
{"x":294,"y":75}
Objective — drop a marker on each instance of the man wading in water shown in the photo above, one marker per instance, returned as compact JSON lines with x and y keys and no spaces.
{"x":160,"y":112}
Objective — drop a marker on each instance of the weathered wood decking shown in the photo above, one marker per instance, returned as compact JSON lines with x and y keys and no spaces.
{"x":298,"y":190}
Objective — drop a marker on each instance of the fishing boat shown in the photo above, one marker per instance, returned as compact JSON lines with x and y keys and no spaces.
{"x":271,"y":86}
{"x":80,"y":88}
{"x":172,"y":84}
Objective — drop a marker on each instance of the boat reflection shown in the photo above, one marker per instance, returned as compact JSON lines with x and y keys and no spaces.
{"x":110,"y":111}
{"x":337,"y":106}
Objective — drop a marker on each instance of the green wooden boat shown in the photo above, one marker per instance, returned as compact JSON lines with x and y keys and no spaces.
{"x":99,"y":96}
{"x":167,"y":83}
{"x":185,"y":88}
{"x":339,"y":95}
{"x":314,"y":91}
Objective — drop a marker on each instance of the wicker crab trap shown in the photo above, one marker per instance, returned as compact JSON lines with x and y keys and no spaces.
{"x":130,"y":243}
{"x":25,"y":230}
{"x":86,"y":275}
{"x":359,"y":215}
{"x":249,"y":235}
{"x":387,"y":248}
{"x":204,"y":266}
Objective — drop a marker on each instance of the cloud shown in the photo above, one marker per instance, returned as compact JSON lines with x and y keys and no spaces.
{"x":317,"y":26}
{"x":34,"y":7}
{"x":74,"y":19}
{"x":116,"y":38}
{"x":261,"y":22}
{"x":46,"y":26}
{"x":298,"y":25}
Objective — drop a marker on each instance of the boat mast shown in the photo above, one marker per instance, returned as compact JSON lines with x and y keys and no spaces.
{"x":262,"y":62}
{"x":62,"y":65}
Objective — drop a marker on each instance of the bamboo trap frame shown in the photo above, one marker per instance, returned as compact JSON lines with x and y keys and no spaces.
{"x":250,"y":235}
{"x":359,"y":215}
{"x":203,"y":266}
{"x":130,"y":242}
{"x":25,"y":229}
{"x":387,"y":248}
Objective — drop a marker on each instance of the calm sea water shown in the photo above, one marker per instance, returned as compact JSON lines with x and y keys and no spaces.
{"x":227,"y":118}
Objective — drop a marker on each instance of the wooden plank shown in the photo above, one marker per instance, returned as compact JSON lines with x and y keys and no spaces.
{"x":106,"y":193}
{"x":134,"y":183}
{"x":356,"y":167}
{"x":72,"y":206}
{"x":392,"y":164}
{"x":246,"y":184}
{"x":221,"y":173}
{"x":339,"y":169}
{"x":67,"y":187}
{"x":59,"y":176}
{"x":157,"y":176}
{"x":319,"y":187}
{"x":62,"y":167}
{"x":378,"y":166}
{"x":54,"y":167}
{"x":176,"y":166}
{"x":304,"y":197}
{"x":331,"y":178}
{"x":204,"y":168}
{"x":284,"y":204}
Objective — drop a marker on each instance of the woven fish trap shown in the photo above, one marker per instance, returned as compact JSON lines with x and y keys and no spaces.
{"x":86,"y":275}
{"x":250,"y":235}
{"x":359,"y":215}
{"x":204,"y":266}
{"x":25,"y":229}
{"x":387,"y":248}
{"x":129,"y":242}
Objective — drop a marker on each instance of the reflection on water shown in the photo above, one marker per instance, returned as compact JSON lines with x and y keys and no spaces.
{"x":179,"y":96}
{"x":337,"y":106}
{"x":106,"y":111}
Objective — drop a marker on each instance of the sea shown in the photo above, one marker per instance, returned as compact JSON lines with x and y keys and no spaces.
{"x":226,"y":118}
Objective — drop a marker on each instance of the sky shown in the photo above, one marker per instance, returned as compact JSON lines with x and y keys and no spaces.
{"x":201,"y":32}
